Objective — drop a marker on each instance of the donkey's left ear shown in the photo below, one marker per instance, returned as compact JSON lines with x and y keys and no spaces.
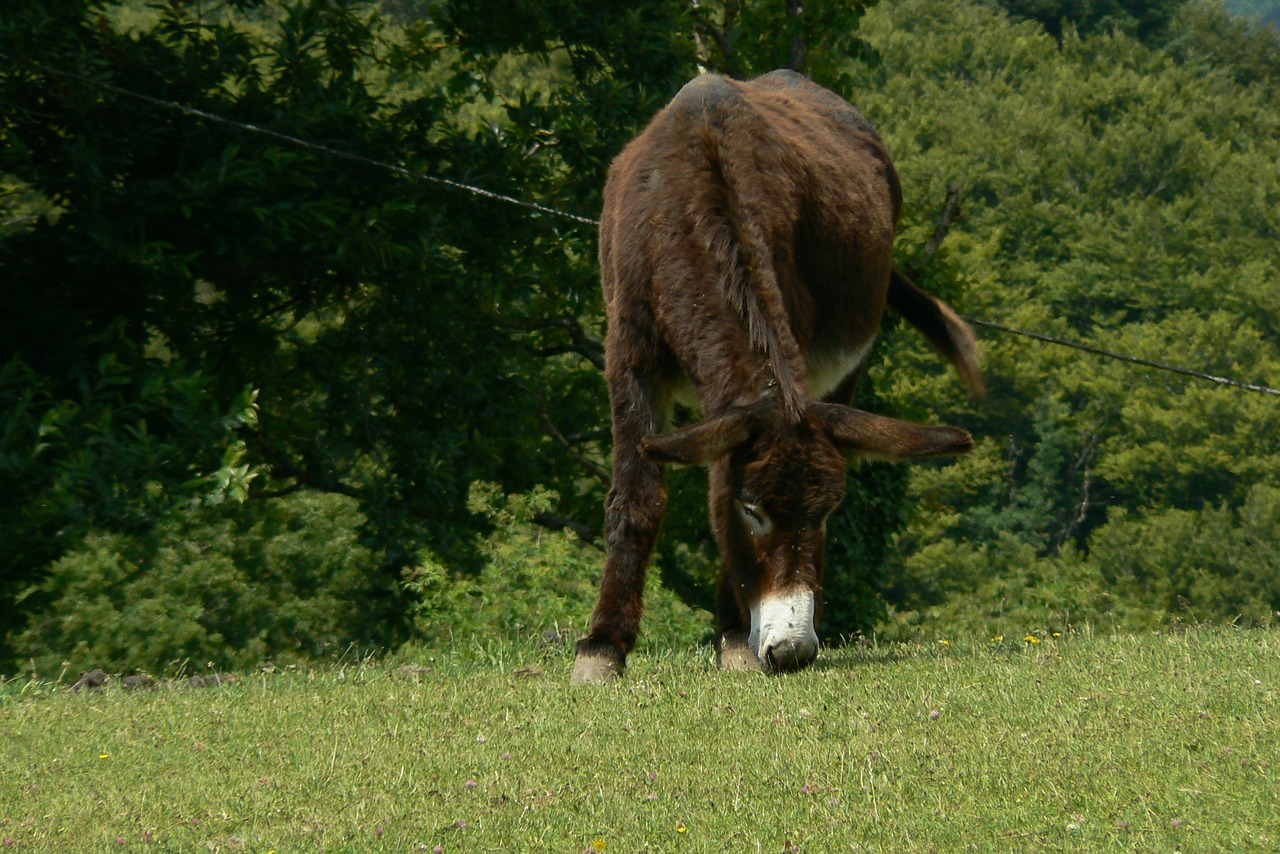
{"x":699,"y":444}
{"x":880,"y":438}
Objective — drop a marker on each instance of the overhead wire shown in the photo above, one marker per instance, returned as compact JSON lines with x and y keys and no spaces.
{"x":187,"y":109}
{"x":1111,"y":354}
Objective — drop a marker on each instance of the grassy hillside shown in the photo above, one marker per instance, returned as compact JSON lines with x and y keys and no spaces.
{"x":1156,"y":742}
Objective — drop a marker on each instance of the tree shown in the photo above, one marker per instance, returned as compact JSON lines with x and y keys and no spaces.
{"x":1146,"y":20}
{"x":208,"y":310}
{"x":1112,"y":193}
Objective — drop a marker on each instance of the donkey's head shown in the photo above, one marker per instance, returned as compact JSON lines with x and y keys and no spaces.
{"x":775,"y":481}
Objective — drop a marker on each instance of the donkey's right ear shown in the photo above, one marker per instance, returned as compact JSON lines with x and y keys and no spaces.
{"x":699,"y":444}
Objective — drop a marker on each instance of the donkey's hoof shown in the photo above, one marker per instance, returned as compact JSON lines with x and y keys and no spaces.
{"x":734,"y":653}
{"x":597,"y":663}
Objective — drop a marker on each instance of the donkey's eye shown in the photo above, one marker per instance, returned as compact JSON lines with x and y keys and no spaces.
{"x":757,"y":522}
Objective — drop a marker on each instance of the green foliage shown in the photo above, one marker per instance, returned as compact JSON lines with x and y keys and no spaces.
{"x":1218,"y":564}
{"x":392,"y":327}
{"x":1206,"y":35}
{"x":1142,"y":571}
{"x":405,"y":339}
{"x":532,"y":581}
{"x":232,"y":585}
{"x":860,"y":536}
{"x":1144,"y":19}
{"x":98,"y":452}
{"x":745,"y":39}
{"x":1265,"y":11}
{"x":1126,"y":200}
{"x":201,"y":319}
{"x":1004,"y":588}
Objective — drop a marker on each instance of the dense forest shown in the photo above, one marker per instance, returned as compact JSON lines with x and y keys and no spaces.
{"x":301,"y":342}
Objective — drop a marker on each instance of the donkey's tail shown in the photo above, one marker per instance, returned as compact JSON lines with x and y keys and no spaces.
{"x":730,"y":205}
{"x":941,"y":326}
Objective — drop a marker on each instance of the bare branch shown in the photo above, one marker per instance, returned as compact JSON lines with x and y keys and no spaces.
{"x":282,"y":492}
{"x":589,"y":436}
{"x":720,"y":34}
{"x":950,"y":210}
{"x":581,"y":342}
{"x":798,"y":56}
{"x":1084,"y":464}
{"x":597,"y":470}
{"x":593,"y":356}
{"x":284,"y":467}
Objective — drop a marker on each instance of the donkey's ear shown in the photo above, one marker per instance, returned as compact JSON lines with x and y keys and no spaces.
{"x":879,"y":438}
{"x":699,"y":444}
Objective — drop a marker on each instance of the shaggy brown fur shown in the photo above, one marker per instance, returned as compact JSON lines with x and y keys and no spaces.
{"x":746,"y":250}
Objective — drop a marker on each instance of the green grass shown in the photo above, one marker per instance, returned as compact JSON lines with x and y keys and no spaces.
{"x":1152,"y":743}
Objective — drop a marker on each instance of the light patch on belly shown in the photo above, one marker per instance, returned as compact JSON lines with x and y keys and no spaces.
{"x":675,"y":392}
{"x":826,"y":370}
{"x":683,"y":393}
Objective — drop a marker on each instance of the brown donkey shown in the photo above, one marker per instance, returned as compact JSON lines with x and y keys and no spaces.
{"x":746,"y":250}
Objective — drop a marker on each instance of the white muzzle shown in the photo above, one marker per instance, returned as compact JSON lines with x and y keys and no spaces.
{"x":782,"y":633}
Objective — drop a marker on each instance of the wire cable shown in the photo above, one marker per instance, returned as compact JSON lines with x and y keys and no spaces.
{"x":186,"y":109}
{"x":1111,"y":354}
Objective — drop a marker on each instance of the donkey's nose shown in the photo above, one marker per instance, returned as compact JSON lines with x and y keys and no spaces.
{"x":782,"y":635}
{"x":789,"y":654}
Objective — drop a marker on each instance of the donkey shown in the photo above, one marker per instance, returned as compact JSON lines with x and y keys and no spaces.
{"x":746,"y":254}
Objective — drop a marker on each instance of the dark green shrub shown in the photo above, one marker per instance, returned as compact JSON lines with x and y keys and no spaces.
{"x":1001,"y":589}
{"x":234,"y":585}
{"x":1143,"y":571}
{"x":1218,"y":564}
{"x":532,"y":580}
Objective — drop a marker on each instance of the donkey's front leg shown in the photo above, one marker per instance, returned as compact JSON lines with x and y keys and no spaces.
{"x":733,"y":651}
{"x":633,"y":514}
{"x":733,"y":647}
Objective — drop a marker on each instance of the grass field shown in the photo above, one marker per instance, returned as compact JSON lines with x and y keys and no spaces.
{"x":1155,"y":743}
